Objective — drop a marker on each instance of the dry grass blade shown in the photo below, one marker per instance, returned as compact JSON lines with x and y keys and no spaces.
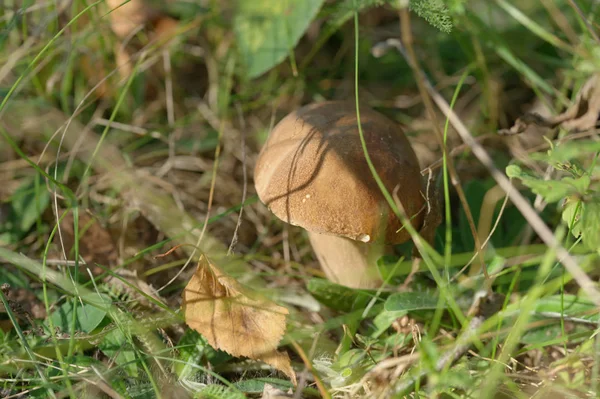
{"x":159,"y":208}
{"x":234,"y":319}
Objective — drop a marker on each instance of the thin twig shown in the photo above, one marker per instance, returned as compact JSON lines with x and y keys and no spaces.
{"x":591,"y":30}
{"x":322,"y":390}
{"x":169,"y":88}
{"x":234,"y":239}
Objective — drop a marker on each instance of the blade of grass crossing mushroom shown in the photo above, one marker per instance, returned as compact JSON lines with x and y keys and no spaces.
{"x":518,"y":200}
{"x":448,"y":238}
{"x":515,"y":196}
{"x":411,"y":58}
{"x":426,"y":250}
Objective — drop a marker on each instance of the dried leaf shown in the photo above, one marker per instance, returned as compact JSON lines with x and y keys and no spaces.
{"x":126,"y":17}
{"x":165,"y":29}
{"x":582,"y":115}
{"x":234,"y":319}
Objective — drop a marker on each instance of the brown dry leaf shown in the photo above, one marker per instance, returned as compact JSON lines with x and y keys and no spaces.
{"x":234,"y":319}
{"x":582,"y":115}
{"x":126,"y":18}
{"x":165,"y":28}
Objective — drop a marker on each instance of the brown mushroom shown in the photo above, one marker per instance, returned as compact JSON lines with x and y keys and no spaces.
{"x":312,"y":173}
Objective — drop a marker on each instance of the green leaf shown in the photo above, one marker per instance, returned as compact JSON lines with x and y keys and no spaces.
{"x":349,"y":368}
{"x":408,"y":301}
{"x":514,"y":171}
{"x":193,"y":349}
{"x":550,"y":190}
{"x":257,"y":385}
{"x":580,"y":184}
{"x":118,"y":348}
{"x":337,"y":296}
{"x":567,"y":305}
{"x":590,"y":224}
{"x":571,"y":215}
{"x":87,"y":316}
{"x":268,"y":30}
{"x":568,"y":151}
{"x":27,"y":204}
{"x":384,"y":320}
{"x":219,"y":392}
{"x":433,"y":11}
{"x":553,"y":335}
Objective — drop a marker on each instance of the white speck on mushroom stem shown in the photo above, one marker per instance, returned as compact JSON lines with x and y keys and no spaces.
{"x":364,"y":238}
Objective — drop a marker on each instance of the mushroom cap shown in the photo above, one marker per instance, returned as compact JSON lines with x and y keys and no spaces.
{"x":312,"y":173}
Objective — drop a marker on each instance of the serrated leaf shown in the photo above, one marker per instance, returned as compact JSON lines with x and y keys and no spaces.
{"x":235,"y":319}
{"x":433,"y":11}
{"x":580,"y":184}
{"x":267,"y":30}
{"x":550,"y":190}
{"x":409,"y":301}
{"x":568,"y":151}
{"x":590,"y":225}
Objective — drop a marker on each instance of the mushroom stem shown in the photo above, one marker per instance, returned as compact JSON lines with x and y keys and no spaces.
{"x":348,"y":262}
